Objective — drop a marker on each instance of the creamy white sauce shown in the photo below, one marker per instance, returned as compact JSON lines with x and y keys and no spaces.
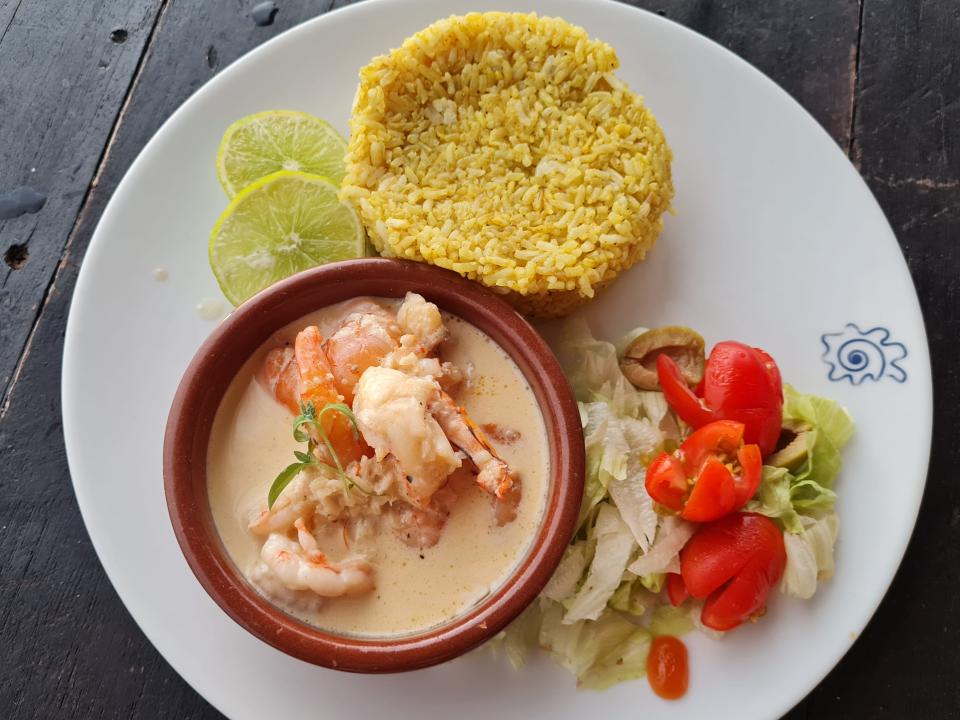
{"x":251,"y":442}
{"x":210,"y":309}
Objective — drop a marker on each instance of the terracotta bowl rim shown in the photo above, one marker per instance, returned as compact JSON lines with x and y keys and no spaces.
{"x":215,"y":364}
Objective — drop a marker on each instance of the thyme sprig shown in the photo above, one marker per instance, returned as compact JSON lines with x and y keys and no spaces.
{"x":309,"y":419}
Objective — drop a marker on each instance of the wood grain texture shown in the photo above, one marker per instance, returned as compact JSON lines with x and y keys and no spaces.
{"x":907,"y":138}
{"x":809,"y":48}
{"x":64,"y":79}
{"x":71,"y":649}
{"x":92,"y":661}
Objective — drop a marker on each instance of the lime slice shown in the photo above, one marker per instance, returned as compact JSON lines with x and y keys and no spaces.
{"x":278,"y":226}
{"x":267,"y":142}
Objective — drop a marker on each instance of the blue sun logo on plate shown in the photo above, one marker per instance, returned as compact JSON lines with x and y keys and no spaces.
{"x":856,"y":355}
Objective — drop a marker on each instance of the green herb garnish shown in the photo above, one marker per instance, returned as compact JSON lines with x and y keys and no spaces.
{"x":309,"y":417}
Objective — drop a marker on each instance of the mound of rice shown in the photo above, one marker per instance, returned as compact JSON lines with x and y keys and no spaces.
{"x":502,"y":146}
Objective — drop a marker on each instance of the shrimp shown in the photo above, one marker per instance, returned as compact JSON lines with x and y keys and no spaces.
{"x":391,"y":410}
{"x":423,"y":320}
{"x":281,"y":519}
{"x":303,"y":375}
{"x":361,"y":341}
{"x":280,"y":376}
{"x":421,"y":527}
{"x":380,"y":362}
{"x":371,"y":332}
{"x":412,"y":419}
{"x":323,"y":371}
{"x":301,"y":565}
{"x":494,"y":474}
{"x":296,"y":502}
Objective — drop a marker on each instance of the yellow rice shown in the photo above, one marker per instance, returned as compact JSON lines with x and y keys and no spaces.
{"x":502,"y":146}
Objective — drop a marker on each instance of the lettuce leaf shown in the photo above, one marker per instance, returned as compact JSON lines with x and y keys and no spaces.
{"x":601,"y":652}
{"x":810,"y":555}
{"x":593,"y":369}
{"x":632,"y":597}
{"x":669,"y":620}
{"x":614,"y":545}
{"x":617,"y":451}
{"x":628,"y":491}
{"x":785,"y":495}
{"x":521,"y":636}
{"x":597,"y":415}
{"x":830,"y":428}
{"x":663,"y":555}
{"x":827,"y":415}
{"x":653,"y":581}
{"x":808,"y":495}
{"x":626,"y":659}
{"x":774,"y":500}
{"x":567,"y":576}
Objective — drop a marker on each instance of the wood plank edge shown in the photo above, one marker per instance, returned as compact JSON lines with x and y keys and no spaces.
{"x":853,"y":149}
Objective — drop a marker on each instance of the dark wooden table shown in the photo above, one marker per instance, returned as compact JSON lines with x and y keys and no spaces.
{"x":85,"y":83}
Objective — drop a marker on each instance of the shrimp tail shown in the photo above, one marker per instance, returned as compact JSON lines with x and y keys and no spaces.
{"x":494,"y":475}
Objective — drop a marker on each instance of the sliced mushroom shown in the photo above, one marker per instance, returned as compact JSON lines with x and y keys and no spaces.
{"x":792,"y":448}
{"x":683,"y":345}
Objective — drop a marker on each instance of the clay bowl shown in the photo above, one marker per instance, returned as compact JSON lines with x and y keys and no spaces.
{"x":221,"y":356}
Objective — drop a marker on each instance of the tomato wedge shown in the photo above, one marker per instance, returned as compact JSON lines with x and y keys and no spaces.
{"x":712,"y":473}
{"x":667,"y":482}
{"x":733,"y":564}
{"x":740,"y":383}
{"x":676,"y":590}
{"x":713,"y":494}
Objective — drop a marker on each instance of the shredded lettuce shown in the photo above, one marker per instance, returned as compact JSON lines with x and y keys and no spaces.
{"x":614,"y":545}
{"x":632,"y":597}
{"x":831,"y":418}
{"x":653,"y":582}
{"x":606,"y":454}
{"x":773,"y":498}
{"x":628,"y":489}
{"x":669,"y":620}
{"x":598,"y":613}
{"x":601,"y":652}
{"x":830,"y":428}
{"x":663,"y":555}
{"x":787,"y":496}
{"x":567,"y":576}
{"x":521,"y":636}
{"x":810,"y":555}
{"x":593,"y":369}
{"x":624,"y":659}
{"x":618,"y":449}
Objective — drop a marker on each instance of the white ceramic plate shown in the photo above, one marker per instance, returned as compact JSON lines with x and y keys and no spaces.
{"x":776,"y":241}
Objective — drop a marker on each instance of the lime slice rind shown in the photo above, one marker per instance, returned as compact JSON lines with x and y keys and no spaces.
{"x":277,"y":226}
